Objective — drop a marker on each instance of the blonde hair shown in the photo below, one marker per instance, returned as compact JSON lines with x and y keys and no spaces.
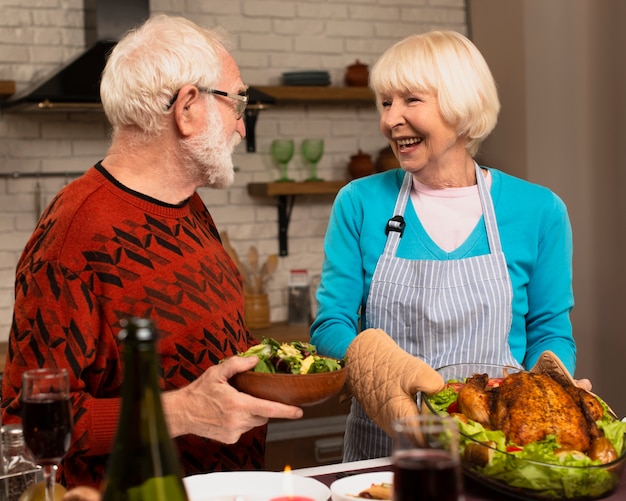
{"x":447,"y":65}
{"x":151,"y":63}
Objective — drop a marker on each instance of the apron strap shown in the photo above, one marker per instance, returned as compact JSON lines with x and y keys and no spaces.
{"x":395,"y":226}
{"x":489,"y":213}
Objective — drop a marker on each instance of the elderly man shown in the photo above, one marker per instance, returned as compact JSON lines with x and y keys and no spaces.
{"x":131,"y":237}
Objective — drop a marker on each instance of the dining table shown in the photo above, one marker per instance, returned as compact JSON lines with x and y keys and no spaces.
{"x":474,"y":490}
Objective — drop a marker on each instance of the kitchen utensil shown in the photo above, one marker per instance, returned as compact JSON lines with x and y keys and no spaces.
{"x":267,"y":270}
{"x":247,"y":286}
{"x":253,"y":260}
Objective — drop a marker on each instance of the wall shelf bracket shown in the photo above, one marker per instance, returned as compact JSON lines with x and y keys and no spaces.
{"x":285,"y":195}
{"x":285,"y":206}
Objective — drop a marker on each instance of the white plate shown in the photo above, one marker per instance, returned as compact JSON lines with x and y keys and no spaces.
{"x":251,"y":486}
{"x":347,"y":488}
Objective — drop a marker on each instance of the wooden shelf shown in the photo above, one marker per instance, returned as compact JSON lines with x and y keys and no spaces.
{"x":283,"y":332}
{"x":295,"y":188}
{"x":318,"y":94}
{"x":285,"y":194}
{"x":7,"y":88}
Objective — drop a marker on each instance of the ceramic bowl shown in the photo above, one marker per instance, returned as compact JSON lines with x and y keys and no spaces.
{"x":293,"y":389}
{"x":550,"y":481}
{"x":252,"y":486}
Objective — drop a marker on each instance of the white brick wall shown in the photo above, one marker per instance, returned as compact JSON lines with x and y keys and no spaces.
{"x":269,"y":37}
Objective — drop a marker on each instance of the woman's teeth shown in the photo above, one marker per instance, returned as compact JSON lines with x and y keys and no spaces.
{"x":404,"y":143}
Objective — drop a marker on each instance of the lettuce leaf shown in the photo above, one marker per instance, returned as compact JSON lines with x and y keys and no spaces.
{"x":536,"y":466}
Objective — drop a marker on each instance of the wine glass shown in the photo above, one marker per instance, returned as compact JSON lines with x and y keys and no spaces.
{"x":282,"y":152}
{"x":47,"y":419}
{"x":426,"y":460}
{"x":312,"y":151}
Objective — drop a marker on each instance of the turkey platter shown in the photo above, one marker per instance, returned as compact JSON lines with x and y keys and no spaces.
{"x":532,"y":435}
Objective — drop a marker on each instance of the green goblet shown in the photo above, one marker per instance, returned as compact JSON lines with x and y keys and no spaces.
{"x":282,"y":152}
{"x":312,"y":151}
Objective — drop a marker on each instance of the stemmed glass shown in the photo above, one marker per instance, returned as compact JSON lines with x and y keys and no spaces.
{"x":312,"y":151}
{"x":47,"y":419}
{"x":282,"y":152}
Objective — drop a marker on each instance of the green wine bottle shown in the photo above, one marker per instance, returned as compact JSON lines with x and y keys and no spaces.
{"x":144,"y":465}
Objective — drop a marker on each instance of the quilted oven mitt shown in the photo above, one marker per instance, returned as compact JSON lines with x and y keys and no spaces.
{"x":548,"y":363}
{"x":385,"y":379}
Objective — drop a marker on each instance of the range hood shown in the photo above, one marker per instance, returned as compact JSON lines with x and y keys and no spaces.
{"x":76,"y":85}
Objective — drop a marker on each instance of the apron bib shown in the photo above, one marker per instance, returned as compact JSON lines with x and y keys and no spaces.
{"x":444,"y":312}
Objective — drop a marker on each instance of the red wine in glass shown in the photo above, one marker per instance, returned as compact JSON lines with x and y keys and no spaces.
{"x":47,"y":419}
{"x":426,"y":475}
{"x":47,"y":425}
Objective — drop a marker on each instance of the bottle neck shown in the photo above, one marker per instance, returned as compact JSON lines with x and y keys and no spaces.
{"x":141,"y":394}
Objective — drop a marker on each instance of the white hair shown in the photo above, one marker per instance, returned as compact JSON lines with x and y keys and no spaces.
{"x":151,"y":63}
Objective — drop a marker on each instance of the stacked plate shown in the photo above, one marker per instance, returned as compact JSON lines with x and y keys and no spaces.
{"x":306,"y":78}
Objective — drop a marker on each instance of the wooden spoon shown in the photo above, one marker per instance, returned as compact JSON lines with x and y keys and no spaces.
{"x":253,"y":259}
{"x":247,"y":287}
{"x":268,"y":268}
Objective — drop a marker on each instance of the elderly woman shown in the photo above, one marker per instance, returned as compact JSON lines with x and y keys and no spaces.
{"x":453,"y":261}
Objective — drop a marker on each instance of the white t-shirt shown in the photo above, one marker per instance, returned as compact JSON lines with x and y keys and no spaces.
{"x":448,"y":215}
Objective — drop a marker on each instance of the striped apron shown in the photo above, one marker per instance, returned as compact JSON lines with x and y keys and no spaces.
{"x":444,"y":312}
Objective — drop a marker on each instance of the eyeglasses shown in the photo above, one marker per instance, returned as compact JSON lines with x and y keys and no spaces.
{"x":242,"y":99}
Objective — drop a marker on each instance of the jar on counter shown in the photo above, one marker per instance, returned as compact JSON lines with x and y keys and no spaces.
{"x":20,"y":468}
{"x":299,"y":298}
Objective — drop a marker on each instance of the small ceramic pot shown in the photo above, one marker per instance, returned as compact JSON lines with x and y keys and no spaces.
{"x":360,"y":165}
{"x":357,"y":75}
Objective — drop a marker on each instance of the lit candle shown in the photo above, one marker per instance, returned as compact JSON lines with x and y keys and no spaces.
{"x":288,"y":490}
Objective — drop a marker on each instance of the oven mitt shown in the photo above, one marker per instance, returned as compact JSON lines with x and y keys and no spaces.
{"x":548,"y":363}
{"x":385,"y":379}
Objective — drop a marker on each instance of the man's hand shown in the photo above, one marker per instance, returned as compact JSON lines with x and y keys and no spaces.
{"x":210,"y":407}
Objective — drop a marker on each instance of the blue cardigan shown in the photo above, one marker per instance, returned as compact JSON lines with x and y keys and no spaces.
{"x":536,"y":239}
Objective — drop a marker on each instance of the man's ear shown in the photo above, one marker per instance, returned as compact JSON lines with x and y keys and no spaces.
{"x":186,"y":111}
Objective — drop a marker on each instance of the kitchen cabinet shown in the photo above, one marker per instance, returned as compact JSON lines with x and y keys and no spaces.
{"x":314,"y":440}
{"x":285,"y":194}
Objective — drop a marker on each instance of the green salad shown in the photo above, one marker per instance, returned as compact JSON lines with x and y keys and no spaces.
{"x":295,"y":357}
{"x":519,"y":467}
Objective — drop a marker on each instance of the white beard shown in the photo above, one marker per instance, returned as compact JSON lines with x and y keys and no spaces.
{"x":208,"y":156}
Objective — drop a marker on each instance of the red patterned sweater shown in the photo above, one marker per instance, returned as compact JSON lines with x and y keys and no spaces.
{"x":101,"y":253}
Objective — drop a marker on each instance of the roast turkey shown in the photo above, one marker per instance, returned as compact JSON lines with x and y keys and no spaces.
{"x":528,"y":407}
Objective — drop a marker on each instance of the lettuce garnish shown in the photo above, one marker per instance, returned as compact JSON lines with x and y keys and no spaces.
{"x":296,"y":357}
{"x":536,"y":466}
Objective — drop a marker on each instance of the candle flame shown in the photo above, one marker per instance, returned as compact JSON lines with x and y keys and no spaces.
{"x":288,"y":482}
